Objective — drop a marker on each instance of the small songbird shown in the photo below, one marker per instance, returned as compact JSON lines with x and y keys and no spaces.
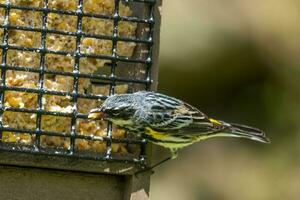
{"x":167,"y":121}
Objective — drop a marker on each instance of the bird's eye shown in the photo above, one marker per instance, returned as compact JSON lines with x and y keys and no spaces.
{"x":113,"y":112}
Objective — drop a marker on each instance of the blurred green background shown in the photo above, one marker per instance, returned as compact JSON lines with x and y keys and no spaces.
{"x":238,"y":61}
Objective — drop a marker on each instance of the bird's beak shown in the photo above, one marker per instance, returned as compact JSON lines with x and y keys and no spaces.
{"x":97,"y":114}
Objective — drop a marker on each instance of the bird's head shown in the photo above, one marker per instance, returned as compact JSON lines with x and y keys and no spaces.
{"x":118,"y":109}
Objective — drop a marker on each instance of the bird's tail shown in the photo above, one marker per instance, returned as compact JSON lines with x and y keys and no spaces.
{"x":248,"y":132}
{"x":237,"y":130}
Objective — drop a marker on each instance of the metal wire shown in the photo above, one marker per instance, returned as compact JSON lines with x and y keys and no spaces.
{"x":112,"y":79}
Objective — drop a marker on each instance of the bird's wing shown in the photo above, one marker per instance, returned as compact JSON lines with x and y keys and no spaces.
{"x":171,"y":115}
{"x":201,"y":123}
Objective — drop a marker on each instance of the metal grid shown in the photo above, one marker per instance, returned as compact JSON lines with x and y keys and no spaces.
{"x":112,"y":79}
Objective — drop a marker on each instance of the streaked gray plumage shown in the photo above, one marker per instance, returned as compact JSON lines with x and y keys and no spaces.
{"x":167,"y":121}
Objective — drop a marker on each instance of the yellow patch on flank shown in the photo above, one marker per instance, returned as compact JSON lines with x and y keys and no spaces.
{"x":155,"y":134}
{"x":214,"y":121}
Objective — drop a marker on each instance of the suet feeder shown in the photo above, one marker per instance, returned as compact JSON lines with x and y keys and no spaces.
{"x":59,"y":60}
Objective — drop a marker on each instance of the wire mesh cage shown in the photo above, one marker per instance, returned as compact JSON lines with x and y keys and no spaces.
{"x":60,"y":59}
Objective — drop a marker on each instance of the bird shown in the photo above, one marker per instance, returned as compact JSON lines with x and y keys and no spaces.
{"x":168,"y":121}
